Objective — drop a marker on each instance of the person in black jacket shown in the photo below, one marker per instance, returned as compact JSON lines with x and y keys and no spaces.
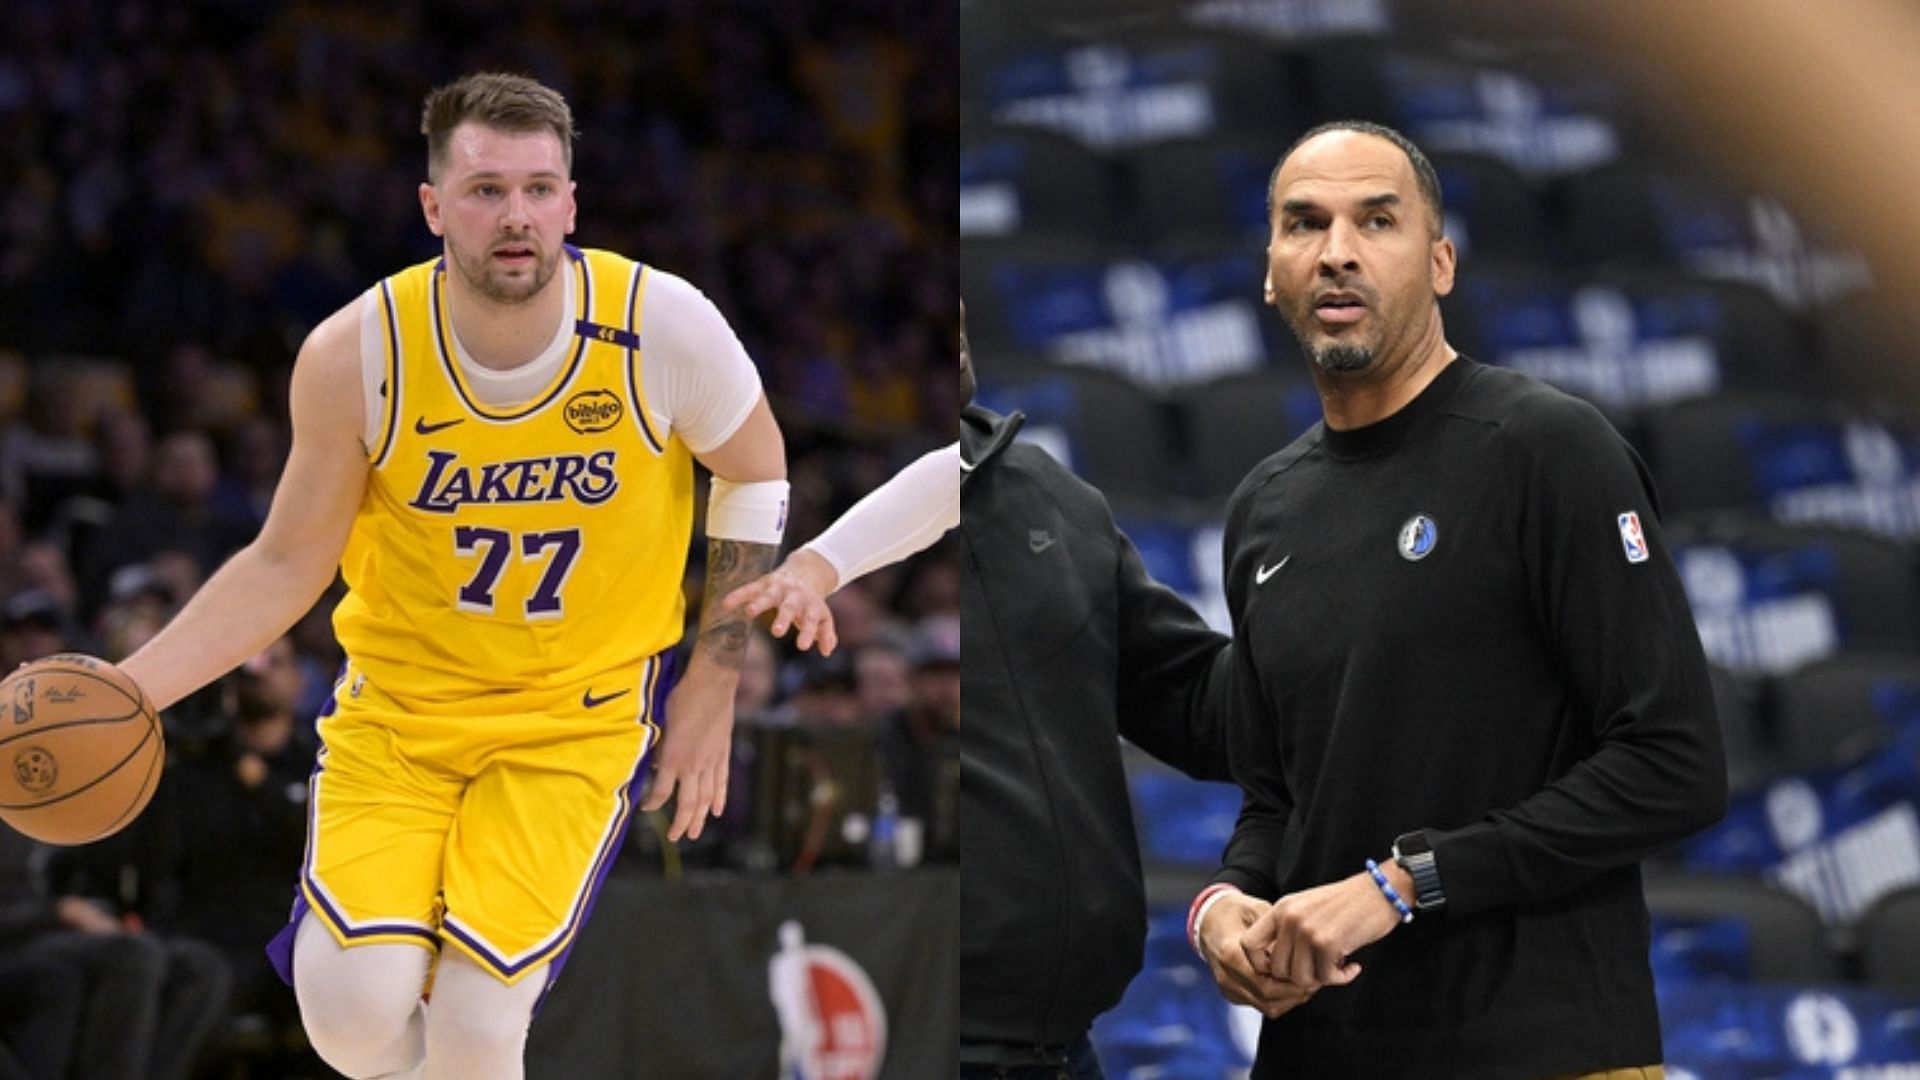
{"x":1068,"y":645}
{"x":1472,"y":698}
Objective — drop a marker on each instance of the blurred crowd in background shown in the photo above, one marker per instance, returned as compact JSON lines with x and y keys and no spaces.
{"x":187,"y":188}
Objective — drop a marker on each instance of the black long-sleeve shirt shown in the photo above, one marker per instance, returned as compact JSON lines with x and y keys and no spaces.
{"x":1069,"y":645}
{"x":1446,"y":621}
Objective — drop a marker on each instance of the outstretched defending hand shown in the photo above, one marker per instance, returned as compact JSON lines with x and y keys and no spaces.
{"x":1307,"y":937}
{"x":796,"y":591}
{"x":695,"y":754}
{"x":1241,"y":980}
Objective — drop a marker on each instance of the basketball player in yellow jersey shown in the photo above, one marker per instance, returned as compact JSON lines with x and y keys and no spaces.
{"x":496,"y":450}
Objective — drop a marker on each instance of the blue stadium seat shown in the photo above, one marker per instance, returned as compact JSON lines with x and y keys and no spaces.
{"x":1838,"y":709}
{"x":1107,"y":430}
{"x":1161,"y":320}
{"x":1541,"y":127}
{"x":1232,"y":424}
{"x":1015,"y":181}
{"x":1182,"y":821}
{"x":1294,"y":22}
{"x":1180,"y":554}
{"x":1204,"y":188}
{"x":1794,"y":461}
{"x":1492,"y":212}
{"x":1620,"y":345}
{"x":1635,"y":212}
{"x":1119,"y":91}
{"x":1838,"y":837}
{"x":1173,"y":1023}
{"x":1768,"y":598}
{"x":1740,"y":1032}
{"x":1784,"y":937}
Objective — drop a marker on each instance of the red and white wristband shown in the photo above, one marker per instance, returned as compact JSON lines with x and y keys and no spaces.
{"x":1197,"y":911}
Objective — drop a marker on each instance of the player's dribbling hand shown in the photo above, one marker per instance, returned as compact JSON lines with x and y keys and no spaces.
{"x":695,"y":754}
{"x":796,"y":592}
{"x":1241,"y":981}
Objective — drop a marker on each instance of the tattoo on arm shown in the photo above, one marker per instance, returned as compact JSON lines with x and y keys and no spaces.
{"x":730,"y":564}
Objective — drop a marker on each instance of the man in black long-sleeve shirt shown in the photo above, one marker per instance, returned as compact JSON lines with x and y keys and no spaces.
{"x":1472,"y":698}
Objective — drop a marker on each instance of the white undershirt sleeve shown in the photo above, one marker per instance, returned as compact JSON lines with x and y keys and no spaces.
{"x":698,"y":379}
{"x":898,"y":518}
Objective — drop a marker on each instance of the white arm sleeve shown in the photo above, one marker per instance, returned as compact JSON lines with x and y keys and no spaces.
{"x":896,"y":519}
{"x":698,"y":379}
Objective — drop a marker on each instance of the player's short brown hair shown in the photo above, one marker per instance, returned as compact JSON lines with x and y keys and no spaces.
{"x":500,"y":101}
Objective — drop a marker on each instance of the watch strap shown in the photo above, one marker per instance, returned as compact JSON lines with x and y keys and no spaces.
{"x":1415,"y":856}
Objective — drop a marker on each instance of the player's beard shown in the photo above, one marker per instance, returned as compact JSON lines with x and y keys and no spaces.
{"x":479,"y":272}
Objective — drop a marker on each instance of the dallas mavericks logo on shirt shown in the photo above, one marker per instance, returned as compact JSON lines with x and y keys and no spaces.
{"x":1417,"y":537}
{"x":1632,"y":538}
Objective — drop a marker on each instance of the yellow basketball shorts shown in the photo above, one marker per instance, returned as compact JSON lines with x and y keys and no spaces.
{"x":490,"y":832}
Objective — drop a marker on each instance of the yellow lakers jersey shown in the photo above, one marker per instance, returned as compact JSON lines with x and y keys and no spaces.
{"x":522,"y":549}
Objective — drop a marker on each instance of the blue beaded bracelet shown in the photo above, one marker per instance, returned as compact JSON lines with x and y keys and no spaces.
{"x":1406,"y":913}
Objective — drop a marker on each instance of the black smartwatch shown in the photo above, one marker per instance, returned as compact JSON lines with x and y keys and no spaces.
{"x":1415,"y":856}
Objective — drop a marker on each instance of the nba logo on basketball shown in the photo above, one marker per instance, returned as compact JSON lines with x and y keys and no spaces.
{"x":832,"y":1026}
{"x":1632,"y":538}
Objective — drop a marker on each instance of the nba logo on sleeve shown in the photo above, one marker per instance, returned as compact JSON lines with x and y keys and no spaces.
{"x":1632,"y":538}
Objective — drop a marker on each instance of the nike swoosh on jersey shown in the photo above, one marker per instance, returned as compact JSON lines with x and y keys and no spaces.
{"x":588,"y":701}
{"x":420,"y":425}
{"x":1261,"y":574}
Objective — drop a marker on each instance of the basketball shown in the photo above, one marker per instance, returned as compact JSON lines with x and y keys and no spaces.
{"x":80,"y":749}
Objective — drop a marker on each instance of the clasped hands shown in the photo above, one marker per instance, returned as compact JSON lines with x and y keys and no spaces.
{"x":1275,"y":956}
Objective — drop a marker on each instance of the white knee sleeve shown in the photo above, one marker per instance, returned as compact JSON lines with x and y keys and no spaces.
{"x":477,"y":1025}
{"x":361,"y":1006}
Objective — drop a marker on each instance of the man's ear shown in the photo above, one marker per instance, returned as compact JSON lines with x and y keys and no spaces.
{"x":1445,"y":259}
{"x":430,"y":207}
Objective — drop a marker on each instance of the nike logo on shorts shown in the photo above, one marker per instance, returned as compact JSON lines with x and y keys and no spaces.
{"x":420,"y":424}
{"x":588,"y":701}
